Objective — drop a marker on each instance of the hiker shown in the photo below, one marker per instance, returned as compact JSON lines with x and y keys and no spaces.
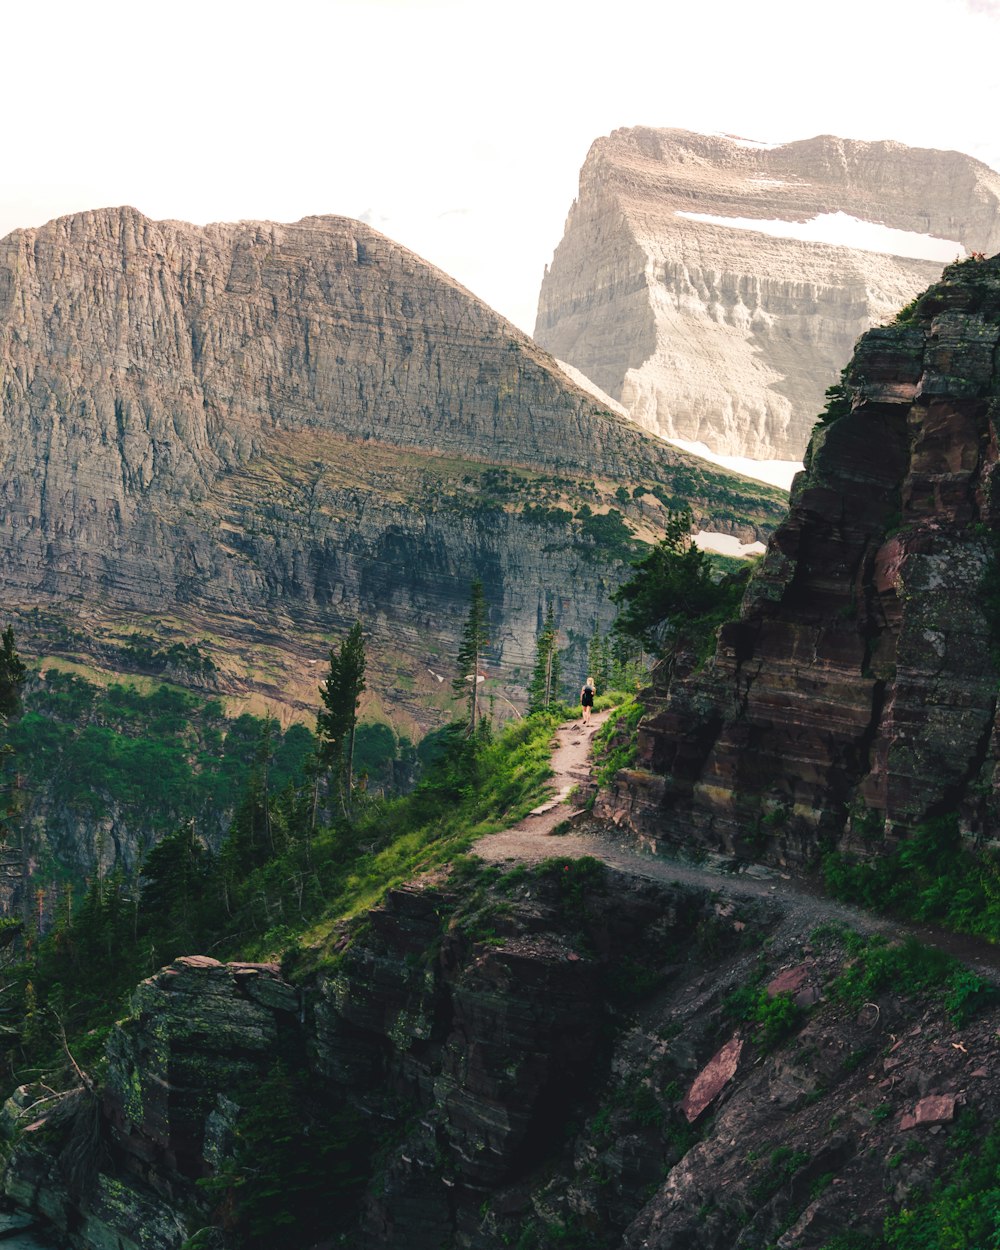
{"x":587,"y":699}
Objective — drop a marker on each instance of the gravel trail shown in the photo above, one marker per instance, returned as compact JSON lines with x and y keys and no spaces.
{"x":558,"y":828}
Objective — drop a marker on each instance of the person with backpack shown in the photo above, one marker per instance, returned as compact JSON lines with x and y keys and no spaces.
{"x":587,"y":699}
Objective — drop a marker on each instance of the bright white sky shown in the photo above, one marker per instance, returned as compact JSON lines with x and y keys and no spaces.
{"x":457,"y":127}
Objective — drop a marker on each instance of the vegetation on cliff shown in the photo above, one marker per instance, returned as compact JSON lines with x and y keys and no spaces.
{"x":276,"y":879}
{"x":673,"y":599}
{"x":932,"y":875}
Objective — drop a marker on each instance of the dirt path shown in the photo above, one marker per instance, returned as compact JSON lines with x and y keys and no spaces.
{"x":545,"y":834}
{"x":571,"y":767}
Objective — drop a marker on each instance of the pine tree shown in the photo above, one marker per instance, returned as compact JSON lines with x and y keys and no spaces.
{"x":672,"y":600}
{"x":12,"y":675}
{"x":175,"y":880}
{"x":474,"y":642}
{"x":545,"y":680}
{"x":599,"y":660}
{"x":337,"y":721}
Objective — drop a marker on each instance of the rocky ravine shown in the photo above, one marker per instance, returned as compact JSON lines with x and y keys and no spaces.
{"x":253,"y":434}
{"x":856,"y":696}
{"x":729,"y":336}
{"x":559,"y":1055}
{"x":533,"y":1058}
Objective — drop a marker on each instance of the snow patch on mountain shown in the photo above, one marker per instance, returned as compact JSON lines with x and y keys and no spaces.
{"x":843,"y":230}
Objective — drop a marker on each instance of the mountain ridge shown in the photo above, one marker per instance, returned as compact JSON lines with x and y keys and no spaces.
{"x":201,"y":425}
{"x":701,"y":330}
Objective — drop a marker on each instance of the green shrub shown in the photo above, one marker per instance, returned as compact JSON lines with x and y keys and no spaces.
{"x":929,"y":877}
{"x":774,"y":1017}
{"x":854,"y":1241}
{"x":617,"y":741}
{"x":575,"y":879}
{"x":960,"y":1212}
{"x":781,"y":1166}
{"x":910,"y":968}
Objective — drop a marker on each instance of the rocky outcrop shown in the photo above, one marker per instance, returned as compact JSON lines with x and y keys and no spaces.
{"x":558,"y":1056}
{"x":461,"y":1029}
{"x":200,"y":1033}
{"x":856,"y":696}
{"x":254,"y":434}
{"x":730,"y":336}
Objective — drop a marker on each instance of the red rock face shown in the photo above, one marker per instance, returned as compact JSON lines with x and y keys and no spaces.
{"x":858,"y":688}
{"x":935,"y":1109}
{"x":712,"y":1079}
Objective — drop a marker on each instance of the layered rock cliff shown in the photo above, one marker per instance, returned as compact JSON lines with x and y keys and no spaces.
{"x":730,"y":336}
{"x":856,"y":696}
{"x":253,"y":434}
{"x":561,"y":1057}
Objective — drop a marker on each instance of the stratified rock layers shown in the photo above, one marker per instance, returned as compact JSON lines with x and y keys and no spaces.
{"x":574,"y":1067}
{"x":246,"y":428}
{"x":465,"y":1058}
{"x":857,"y":694}
{"x":729,"y":336}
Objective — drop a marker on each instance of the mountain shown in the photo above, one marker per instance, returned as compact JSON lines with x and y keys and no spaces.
{"x":555,"y":1052}
{"x":240,"y":438}
{"x":729,"y":336}
{"x":854,"y":703}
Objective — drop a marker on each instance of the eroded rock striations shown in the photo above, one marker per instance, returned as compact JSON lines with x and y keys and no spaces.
{"x":555,"y":1057}
{"x":857,"y":693}
{"x":459,"y":1055}
{"x":257,"y":433}
{"x":730,"y":336}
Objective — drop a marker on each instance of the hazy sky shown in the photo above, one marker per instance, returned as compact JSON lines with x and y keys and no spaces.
{"x":457,"y":127}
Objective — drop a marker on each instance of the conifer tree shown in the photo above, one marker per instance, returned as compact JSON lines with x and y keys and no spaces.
{"x":545,"y":681}
{"x":672,"y":599}
{"x":12,"y":675}
{"x":175,"y":880}
{"x":599,"y":660}
{"x":475,"y":640}
{"x":337,"y":721}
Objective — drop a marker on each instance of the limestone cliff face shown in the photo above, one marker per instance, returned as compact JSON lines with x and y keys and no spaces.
{"x":859,"y":687}
{"x":258,"y":433}
{"x":725,"y":335}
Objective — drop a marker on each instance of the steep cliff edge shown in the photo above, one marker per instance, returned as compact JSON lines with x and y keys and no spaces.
{"x":725,"y":335}
{"x":856,"y":696}
{"x":568,"y":1056}
{"x":253,"y":434}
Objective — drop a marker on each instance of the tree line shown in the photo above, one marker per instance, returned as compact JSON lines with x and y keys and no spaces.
{"x":294,"y":835}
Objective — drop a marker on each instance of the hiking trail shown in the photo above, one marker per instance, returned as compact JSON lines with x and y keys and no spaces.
{"x":558,"y":828}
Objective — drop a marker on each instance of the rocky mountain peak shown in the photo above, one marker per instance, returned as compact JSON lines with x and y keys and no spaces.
{"x":257,"y":433}
{"x":711,"y":332}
